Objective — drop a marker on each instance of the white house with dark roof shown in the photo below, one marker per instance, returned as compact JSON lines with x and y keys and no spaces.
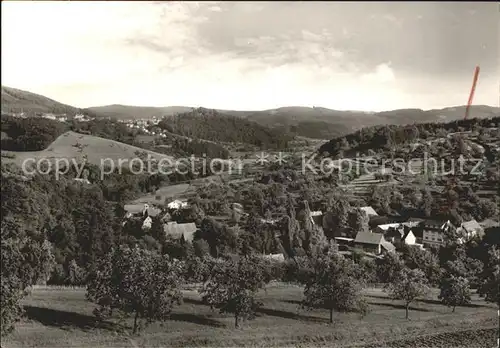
{"x":401,"y":235}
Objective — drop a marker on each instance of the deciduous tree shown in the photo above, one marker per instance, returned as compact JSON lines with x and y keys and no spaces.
{"x":138,"y":283}
{"x":455,"y":291}
{"x":233,"y":285}
{"x":334,"y":284}
{"x":409,"y":285}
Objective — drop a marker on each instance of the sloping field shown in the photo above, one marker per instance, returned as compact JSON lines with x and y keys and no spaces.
{"x":62,"y":318}
{"x":71,"y":145}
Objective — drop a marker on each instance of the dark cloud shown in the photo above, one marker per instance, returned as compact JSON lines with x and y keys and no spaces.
{"x":431,"y":38}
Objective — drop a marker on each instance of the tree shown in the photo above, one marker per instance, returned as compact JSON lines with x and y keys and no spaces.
{"x":409,"y":285}
{"x":76,"y":274}
{"x":201,"y":248}
{"x":136,"y":282}
{"x":491,"y":278}
{"x":335,"y":219}
{"x":219,"y":237}
{"x":359,"y":222}
{"x":427,"y":202}
{"x":380,"y":198}
{"x":389,"y":267}
{"x":233,"y":285}
{"x":460,"y":265}
{"x":334,"y":284}
{"x":424,"y":260}
{"x":455,"y":291}
{"x":26,"y":255}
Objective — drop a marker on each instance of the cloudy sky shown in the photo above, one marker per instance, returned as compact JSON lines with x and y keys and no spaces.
{"x":253,"y":55}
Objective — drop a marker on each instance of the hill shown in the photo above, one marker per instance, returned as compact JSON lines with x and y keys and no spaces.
{"x":16,"y":101}
{"x":384,"y":137}
{"x":124,"y":112}
{"x":215,"y":126}
{"x":71,"y":145}
{"x":304,"y":117}
{"x":354,"y":120}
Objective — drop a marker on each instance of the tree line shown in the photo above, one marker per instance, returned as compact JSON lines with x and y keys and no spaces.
{"x":384,"y":137}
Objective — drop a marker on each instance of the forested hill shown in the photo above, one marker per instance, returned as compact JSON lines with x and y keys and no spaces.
{"x":16,"y":100}
{"x":211,"y":125}
{"x":379,"y":137}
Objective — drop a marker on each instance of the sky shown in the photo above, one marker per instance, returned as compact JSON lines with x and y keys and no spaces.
{"x":253,"y":55}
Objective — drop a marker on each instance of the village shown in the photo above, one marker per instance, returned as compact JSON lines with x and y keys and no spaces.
{"x":386,"y":233}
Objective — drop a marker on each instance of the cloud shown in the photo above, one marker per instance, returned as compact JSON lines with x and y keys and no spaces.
{"x":251,"y":55}
{"x":215,"y":9}
{"x":382,"y":74}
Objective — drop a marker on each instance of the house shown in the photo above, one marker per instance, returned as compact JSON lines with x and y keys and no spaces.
{"x":433,"y":231}
{"x":147,"y":223}
{"x":469,"y":229}
{"x":175,"y":230}
{"x":373,"y":242}
{"x":49,"y":116}
{"x":177,"y":204}
{"x":369,"y":211}
{"x":135,"y":209}
{"x":343,"y":242}
{"x":275,"y":257}
{"x":383,"y":229}
{"x":79,"y":117}
{"x":401,"y":234}
{"x":398,"y":232}
{"x":269,"y":221}
{"x":85,"y":181}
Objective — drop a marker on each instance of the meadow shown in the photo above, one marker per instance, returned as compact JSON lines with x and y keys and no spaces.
{"x":61,"y":317}
{"x":71,"y":145}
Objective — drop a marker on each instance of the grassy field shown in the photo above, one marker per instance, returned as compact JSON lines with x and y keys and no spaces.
{"x":62,"y":318}
{"x":170,"y":192}
{"x":74,"y":145}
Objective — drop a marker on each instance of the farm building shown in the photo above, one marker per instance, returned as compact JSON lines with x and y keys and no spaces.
{"x":373,"y":242}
